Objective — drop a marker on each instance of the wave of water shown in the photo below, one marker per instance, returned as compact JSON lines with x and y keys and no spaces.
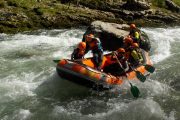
{"x":161,"y":42}
{"x":31,"y":89}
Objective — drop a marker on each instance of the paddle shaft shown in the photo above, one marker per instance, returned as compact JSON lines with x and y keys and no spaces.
{"x":120,"y":64}
{"x":134,"y":90}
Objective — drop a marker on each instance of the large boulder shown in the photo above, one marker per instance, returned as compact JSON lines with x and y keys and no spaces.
{"x":112,"y":35}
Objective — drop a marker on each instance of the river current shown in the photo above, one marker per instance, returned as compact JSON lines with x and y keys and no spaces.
{"x":30,"y":88}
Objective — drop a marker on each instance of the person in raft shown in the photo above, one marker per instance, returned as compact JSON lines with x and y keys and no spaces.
{"x":79,"y":52}
{"x":120,"y":53}
{"x":135,"y":34}
{"x":114,"y":68}
{"x":135,"y":55}
{"x":94,"y":44}
{"x":87,"y":39}
{"x":128,"y":41}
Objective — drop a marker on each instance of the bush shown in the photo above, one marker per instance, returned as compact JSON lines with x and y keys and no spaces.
{"x":159,"y":3}
{"x":177,"y":2}
{"x":38,"y":11}
{"x":12,"y":3}
{"x":94,"y":4}
{"x":2,"y":4}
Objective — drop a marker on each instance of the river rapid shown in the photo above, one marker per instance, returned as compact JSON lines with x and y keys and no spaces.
{"x":30,"y":88}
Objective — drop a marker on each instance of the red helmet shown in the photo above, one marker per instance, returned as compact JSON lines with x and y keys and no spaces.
{"x":82,"y":45}
{"x":135,"y":45}
{"x":89,"y":37}
{"x":132,"y":26}
{"x":128,"y":40}
{"x":121,"y":50}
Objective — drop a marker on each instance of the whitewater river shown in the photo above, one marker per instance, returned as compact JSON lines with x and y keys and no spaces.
{"x":30,"y":89}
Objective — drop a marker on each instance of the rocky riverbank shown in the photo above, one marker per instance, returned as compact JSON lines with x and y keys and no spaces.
{"x":18,"y":16}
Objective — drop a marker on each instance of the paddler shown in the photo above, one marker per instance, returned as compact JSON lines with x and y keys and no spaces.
{"x":79,"y":52}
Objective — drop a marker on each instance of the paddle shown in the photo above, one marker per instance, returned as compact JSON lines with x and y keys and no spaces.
{"x":139,"y":75}
{"x":56,"y":61}
{"x":149,"y":68}
{"x":134,"y":90}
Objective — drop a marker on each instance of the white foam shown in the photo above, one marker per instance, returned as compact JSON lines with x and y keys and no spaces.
{"x":66,"y":39}
{"x":60,"y":112}
{"x":137,"y":109}
{"x":154,"y":88}
{"x":171,"y":116}
{"x":21,"y":114}
{"x":15,"y":87}
{"x":161,"y":39}
{"x":60,"y":45}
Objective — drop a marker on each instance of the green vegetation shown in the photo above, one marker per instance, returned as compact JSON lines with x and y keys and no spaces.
{"x":94,"y":4}
{"x":21,"y":15}
{"x":23,"y":3}
{"x":158,"y":3}
{"x":38,"y":11}
{"x":2,"y":4}
{"x":161,"y":3}
{"x":177,"y":2}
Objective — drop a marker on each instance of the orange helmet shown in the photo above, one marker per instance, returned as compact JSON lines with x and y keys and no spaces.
{"x":132,"y":26}
{"x":128,"y":40}
{"x":89,"y":37}
{"x":121,"y":50}
{"x":135,"y":45}
{"x":82,"y":45}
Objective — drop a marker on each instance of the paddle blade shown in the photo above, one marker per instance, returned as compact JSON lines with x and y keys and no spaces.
{"x":56,"y":61}
{"x":140,"y":76}
{"x":135,"y":91}
{"x":150,"y":68}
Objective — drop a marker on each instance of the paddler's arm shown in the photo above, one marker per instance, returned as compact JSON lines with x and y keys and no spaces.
{"x":72,"y":55}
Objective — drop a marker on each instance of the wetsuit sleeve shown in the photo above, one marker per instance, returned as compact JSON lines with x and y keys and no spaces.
{"x":73,"y":54}
{"x":99,"y":45}
{"x":126,"y":66}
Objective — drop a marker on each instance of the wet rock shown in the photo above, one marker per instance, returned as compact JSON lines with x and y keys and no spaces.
{"x":9,"y":16}
{"x":149,"y":11}
{"x":136,"y":5}
{"x":172,"y":6}
{"x":112,"y":34}
{"x":164,"y":18}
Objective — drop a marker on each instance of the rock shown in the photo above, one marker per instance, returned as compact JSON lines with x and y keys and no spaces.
{"x":136,"y":5}
{"x":150,"y":11}
{"x":139,"y":14}
{"x":164,"y":18}
{"x":111,"y":34}
{"x":172,"y":6}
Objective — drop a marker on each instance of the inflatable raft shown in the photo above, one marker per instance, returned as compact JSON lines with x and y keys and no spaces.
{"x":84,"y":73}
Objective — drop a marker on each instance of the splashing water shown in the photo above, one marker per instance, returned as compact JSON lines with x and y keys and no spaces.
{"x":31,"y":89}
